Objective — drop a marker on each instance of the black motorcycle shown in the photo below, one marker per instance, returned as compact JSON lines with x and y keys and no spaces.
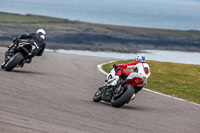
{"x":127,"y":89}
{"x":16,"y":58}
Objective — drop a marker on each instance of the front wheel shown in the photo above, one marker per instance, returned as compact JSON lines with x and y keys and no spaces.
{"x":13,"y":61}
{"x":97,"y":96}
{"x":124,"y":97}
{"x":2,"y":65}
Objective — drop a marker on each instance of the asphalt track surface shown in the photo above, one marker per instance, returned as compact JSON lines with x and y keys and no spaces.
{"x":54,"y":94}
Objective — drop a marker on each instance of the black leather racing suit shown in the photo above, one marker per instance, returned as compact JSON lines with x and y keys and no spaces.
{"x":37,"y":41}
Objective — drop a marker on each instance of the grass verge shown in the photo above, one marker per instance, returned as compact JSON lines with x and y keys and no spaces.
{"x":178,"y":80}
{"x":7,"y":17}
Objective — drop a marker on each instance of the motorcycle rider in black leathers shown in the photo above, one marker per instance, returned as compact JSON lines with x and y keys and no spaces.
{"x":36,"y":39}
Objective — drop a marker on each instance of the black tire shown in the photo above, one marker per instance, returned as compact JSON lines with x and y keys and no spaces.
{"x":124,"y":97}
{"x":14,"y":61}
{"x":97,"y":96}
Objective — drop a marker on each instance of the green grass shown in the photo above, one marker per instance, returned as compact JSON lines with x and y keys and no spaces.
{"x":5,"y":17}
{"x":15,"y":24}
{"x":178,"y":80}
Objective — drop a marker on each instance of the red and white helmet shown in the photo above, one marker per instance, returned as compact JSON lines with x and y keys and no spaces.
{"x":140,"y":58}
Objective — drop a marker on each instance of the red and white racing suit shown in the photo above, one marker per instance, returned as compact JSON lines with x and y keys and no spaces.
{"x":141,"y":72}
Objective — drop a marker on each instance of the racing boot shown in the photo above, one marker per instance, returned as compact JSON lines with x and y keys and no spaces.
{"x":113,"y":83}
{"x":118,"y":85}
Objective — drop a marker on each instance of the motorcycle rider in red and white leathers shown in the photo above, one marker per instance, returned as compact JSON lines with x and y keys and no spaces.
{"x":141,"y":73}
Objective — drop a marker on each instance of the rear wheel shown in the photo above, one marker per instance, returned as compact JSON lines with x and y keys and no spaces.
{"x":13,"y":61}
{"x":124,"y":97}
{"x":97,"y":96}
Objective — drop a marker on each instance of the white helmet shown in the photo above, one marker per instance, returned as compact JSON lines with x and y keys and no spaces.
{"x":41,"y":31}
{"x":140,"y":58}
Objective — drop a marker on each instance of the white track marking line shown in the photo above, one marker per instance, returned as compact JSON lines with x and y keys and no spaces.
{"x":179,"y":99}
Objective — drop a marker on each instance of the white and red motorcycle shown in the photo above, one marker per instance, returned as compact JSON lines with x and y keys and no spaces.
{"x":127,"y":89}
